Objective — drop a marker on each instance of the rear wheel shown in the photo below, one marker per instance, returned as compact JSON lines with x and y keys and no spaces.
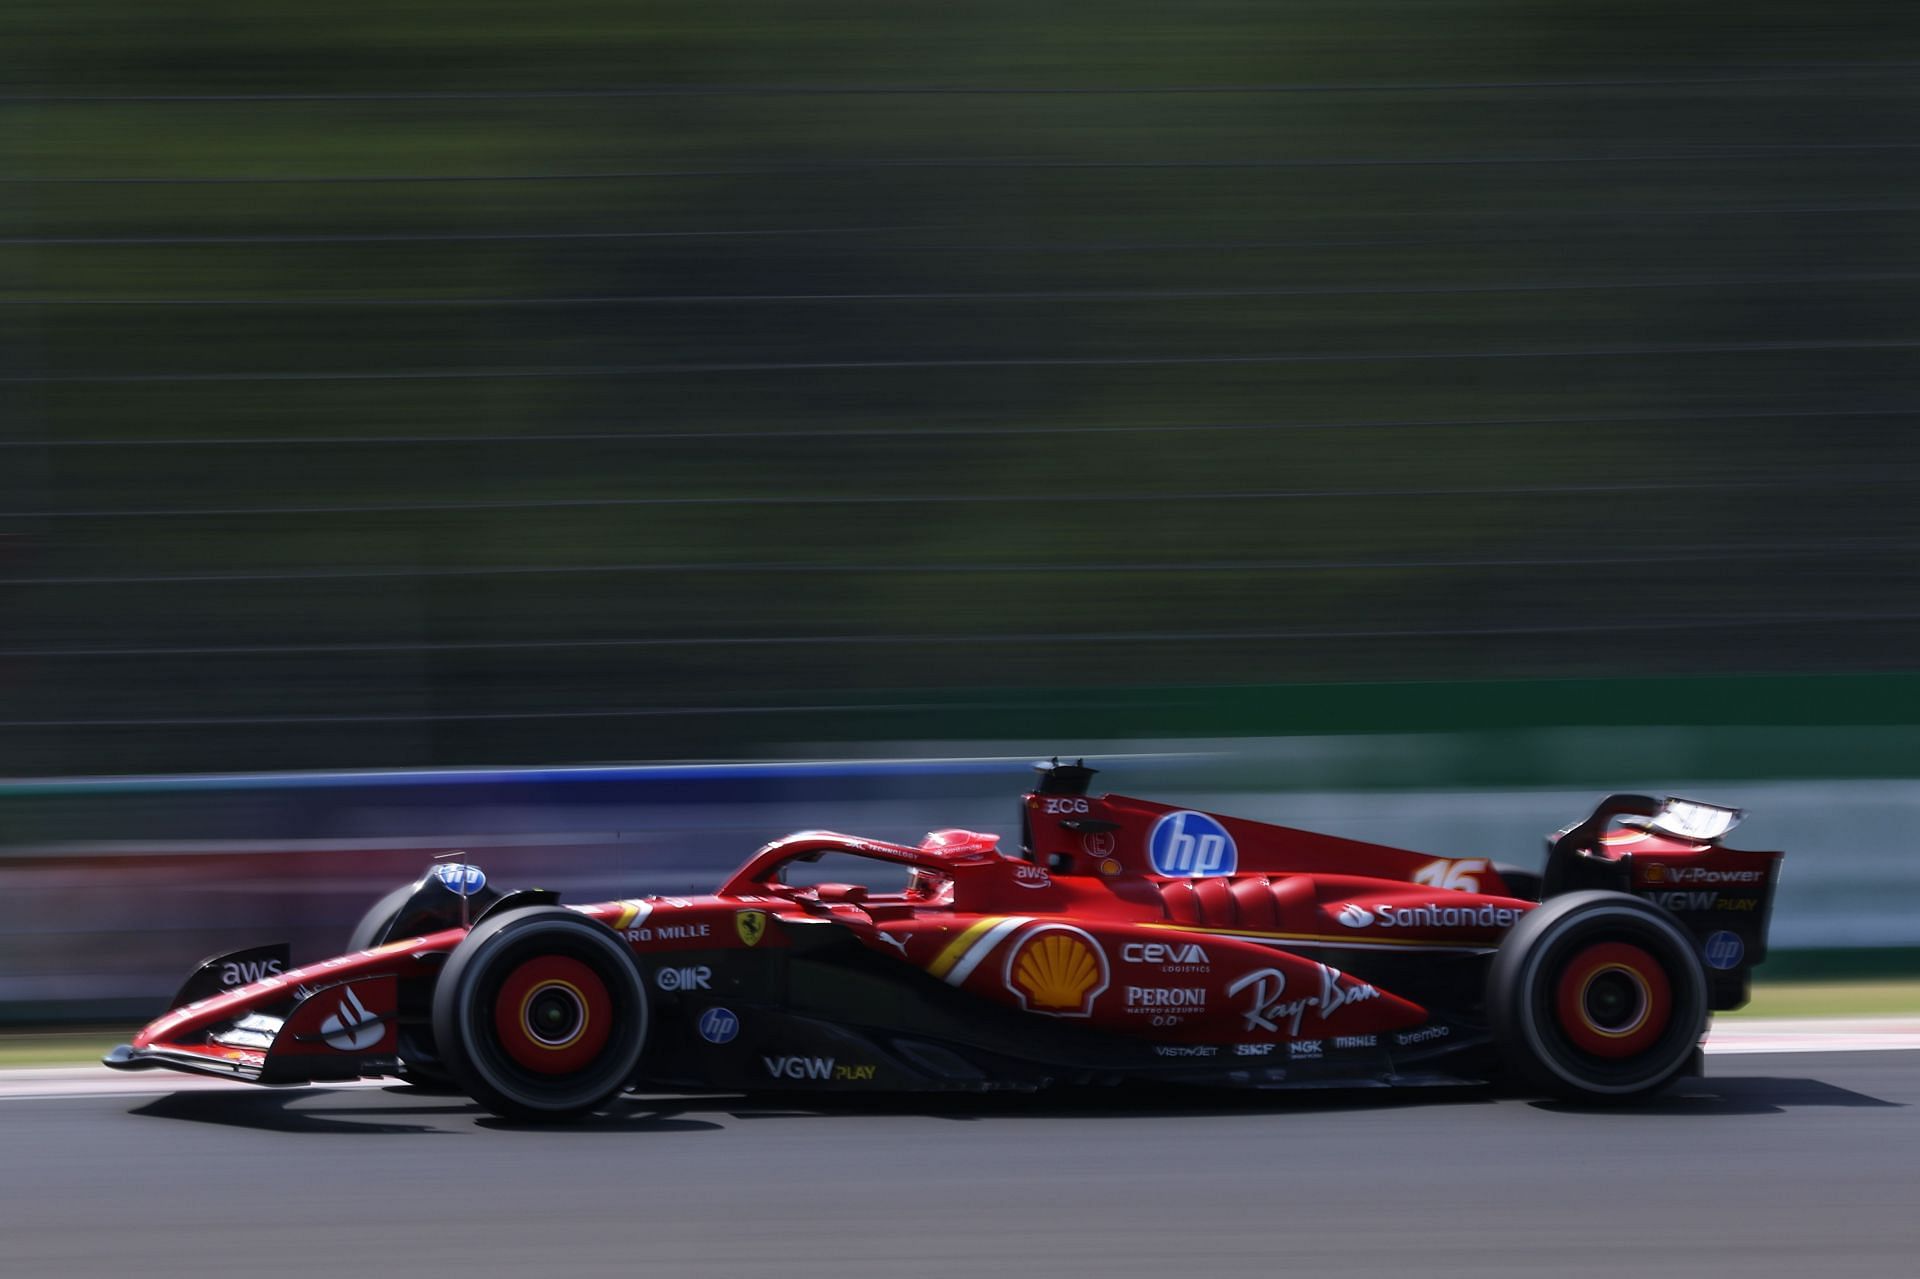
{"x":1597,"y":996}
{"x":540,"y":1014}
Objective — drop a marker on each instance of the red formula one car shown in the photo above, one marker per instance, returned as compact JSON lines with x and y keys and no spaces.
{"x":1129,"y":941}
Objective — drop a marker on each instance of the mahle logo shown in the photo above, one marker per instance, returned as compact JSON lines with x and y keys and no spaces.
{"x":1191,"y":845}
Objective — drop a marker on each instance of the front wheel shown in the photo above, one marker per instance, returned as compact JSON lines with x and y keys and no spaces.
{"x":1597,"y":996}
{"x":540,"y":1014}
{"x":373,"y":926}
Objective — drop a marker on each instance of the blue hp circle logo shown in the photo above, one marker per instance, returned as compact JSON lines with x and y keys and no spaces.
{"x":719,"y":1025}
{"x":1190,"y":845}
{"x":1725,"y":950}
{"x":462,"y":879}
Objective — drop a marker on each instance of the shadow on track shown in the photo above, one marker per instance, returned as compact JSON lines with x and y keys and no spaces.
{"x":272,"y":1111}
{"x":1740,"y":1095}
{"x":408,"y":1111}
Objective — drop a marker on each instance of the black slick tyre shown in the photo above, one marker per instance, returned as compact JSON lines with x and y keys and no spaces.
{"x":1597,"y":997}
{"x":540,"y":1014}
{"x":418,"y":1061}
{"x":372,"y":928}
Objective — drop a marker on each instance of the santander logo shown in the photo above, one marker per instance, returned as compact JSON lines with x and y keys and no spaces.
{"x":352,"y":1027}
{"x":1354,"y":915}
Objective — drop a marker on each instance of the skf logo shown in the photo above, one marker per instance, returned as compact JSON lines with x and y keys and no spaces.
{"x":751,"y":925}
{"x":1057,"y":970}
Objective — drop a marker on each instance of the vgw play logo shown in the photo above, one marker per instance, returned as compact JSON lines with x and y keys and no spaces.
{"x":1188,"y":844}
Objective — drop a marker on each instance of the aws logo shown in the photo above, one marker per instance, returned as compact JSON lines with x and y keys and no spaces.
{"x":246,"y":972}
{"x":1057,"y":970}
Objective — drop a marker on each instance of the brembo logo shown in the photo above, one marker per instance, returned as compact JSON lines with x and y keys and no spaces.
{"x":1423,"y":1035}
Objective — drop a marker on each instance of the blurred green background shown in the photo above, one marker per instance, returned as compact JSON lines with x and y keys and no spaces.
{"x":429,"y":383}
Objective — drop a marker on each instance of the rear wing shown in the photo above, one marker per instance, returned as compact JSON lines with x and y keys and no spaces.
{"x":1669,"y":852}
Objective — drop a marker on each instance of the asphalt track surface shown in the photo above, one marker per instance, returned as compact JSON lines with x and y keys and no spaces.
{"x":1790,"y":1164}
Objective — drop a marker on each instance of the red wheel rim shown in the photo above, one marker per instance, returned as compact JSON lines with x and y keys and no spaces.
{"x":1614,"y":1000}
{"x":553,"y":1015}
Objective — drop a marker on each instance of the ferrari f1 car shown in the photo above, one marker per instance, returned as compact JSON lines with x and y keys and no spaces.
{"x":1128,"y":941}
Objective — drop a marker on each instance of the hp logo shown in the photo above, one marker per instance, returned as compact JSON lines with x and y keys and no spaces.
{"x":1191,"y":845}
{"x":460,"y":878}
{"x":1725,"y":950}
{"x":719,"y":1025}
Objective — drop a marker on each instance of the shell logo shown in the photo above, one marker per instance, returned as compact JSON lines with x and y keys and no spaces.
{"x":1057,"y":970}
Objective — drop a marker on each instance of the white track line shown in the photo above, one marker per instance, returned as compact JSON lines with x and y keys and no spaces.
{"x":1814,"y":1035}
{"x":1729,"y":1036}
{"x":45,"y":1083}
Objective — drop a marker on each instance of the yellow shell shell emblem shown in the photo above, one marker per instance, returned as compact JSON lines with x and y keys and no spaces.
{"x":1058,"y":970}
